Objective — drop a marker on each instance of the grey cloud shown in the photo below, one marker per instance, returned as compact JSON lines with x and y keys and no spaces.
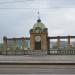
{"x":17,"y":22}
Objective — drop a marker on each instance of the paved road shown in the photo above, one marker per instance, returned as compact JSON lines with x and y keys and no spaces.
{"x":37,"y":69}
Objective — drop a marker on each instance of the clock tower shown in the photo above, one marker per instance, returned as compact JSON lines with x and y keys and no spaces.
{"x":38,"y":36}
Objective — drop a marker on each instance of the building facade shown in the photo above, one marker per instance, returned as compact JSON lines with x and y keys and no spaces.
{"x":38,"y":39}
{"x":38,"y":36}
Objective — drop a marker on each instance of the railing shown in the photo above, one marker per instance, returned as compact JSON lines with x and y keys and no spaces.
{"x":23,"y":52}
{"x":66,"y":51}
{"x":16,"y":52}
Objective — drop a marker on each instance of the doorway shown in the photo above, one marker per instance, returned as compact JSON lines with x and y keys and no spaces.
{"x":37,"y":45}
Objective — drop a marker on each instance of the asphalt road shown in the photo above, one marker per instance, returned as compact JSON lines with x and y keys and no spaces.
{"x":37,"y":69}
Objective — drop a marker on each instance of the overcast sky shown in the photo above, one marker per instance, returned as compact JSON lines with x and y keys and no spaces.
{"x":17,"y":17}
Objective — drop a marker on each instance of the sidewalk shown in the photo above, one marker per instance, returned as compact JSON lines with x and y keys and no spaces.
{"x":38,"y":59}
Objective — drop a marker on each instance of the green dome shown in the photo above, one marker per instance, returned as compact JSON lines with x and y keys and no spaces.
{"x":39,"y":25}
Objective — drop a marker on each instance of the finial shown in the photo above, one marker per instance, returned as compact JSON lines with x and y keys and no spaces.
{"x":38,"y":14}
{"x":39,"y":20}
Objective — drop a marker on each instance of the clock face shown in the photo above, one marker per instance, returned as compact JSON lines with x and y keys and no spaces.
{"x":37,"y":39}
{"x":37,"y":31}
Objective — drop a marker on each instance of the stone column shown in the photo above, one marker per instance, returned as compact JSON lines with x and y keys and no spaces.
{"x":48,"y":43}
{"x":23,"y":43}
{"x":69,"y":43}
{"x":5,"y":46}
{"x":58,"y":41}
{"x":48,"y":51}
{"x":14,"y":43}
{"x":32,"y":41}
{"x":43,"y":41}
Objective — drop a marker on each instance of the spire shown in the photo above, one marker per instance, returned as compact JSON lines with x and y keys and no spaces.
{"x":39,"y":20}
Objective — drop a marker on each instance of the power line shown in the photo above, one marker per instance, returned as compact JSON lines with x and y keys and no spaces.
{"x":16,"y":1}
{"x":19,"y":1}
{"x":11,"y":2}
{"x":40,"y":8}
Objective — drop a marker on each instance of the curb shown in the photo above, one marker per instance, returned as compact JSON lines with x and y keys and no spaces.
{"x":37,"y":63}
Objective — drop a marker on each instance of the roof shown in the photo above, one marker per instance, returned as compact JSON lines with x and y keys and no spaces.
{"x":39,"y":24}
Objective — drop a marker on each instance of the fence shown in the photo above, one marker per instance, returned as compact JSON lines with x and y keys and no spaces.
{"x":67,"y":51}
{"x":23,"y":52}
